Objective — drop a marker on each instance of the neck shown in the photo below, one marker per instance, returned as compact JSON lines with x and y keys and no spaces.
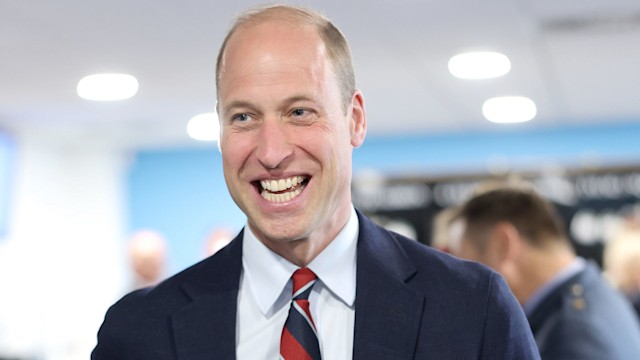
{"x":302,"y":251}
{"x":539,"y":268}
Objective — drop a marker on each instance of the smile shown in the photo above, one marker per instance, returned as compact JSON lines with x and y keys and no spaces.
{"x":282,"y":190}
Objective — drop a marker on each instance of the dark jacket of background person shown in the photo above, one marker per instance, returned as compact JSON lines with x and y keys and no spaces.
{"x":574,"y":313}
{"x":411,"y":303}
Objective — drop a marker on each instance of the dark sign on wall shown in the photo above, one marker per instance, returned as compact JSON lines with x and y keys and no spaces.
{"x":591,"y":202}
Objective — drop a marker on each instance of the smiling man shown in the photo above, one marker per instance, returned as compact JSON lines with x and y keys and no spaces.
{"x":309,"y":277}
{"x":287,"y":135}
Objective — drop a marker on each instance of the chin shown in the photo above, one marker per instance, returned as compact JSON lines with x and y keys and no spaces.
{"x":279,"y":230}
{"x":285,"y":236}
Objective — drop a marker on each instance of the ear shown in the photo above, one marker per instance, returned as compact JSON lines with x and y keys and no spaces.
{"x":505,"y":245}
{"x":219,"y":126}
{"x":358,"y":120}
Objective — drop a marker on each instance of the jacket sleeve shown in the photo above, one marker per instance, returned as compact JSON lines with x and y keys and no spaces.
{"x":507,"y":334}
{"x":108,"y":346}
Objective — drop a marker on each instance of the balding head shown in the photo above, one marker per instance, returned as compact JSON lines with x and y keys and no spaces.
{"x":336,"y":46}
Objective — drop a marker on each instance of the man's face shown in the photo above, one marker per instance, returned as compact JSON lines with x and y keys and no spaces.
{"x":286,"y":140}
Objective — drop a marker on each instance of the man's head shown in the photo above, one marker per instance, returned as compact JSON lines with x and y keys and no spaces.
{"x":334,"y":41}
{"x":514,"y":231}
{"x":287,"y":131}
{"x":148,"y":256}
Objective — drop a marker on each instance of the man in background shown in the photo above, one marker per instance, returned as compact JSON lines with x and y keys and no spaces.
{"x":621,"y":260}
{"x":572,"y":311}
{"x":309,"y":276}
{"x":148,"y":258}
{"x":217,"y":239}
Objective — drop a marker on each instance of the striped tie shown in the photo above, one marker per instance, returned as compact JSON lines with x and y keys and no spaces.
{"x":299,"y":339}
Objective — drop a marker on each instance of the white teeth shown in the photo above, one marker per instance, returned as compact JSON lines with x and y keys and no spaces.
{"x":281,"y":185}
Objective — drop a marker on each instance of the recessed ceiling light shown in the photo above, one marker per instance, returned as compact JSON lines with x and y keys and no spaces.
{"x":479,"y":65}
{"x":509,"y":109}
{"x":107,"y":87}
{"x":204,"y":127}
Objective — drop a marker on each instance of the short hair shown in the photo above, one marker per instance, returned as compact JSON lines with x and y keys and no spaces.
{"x":535,"y":218}
{"x":336,"y":45}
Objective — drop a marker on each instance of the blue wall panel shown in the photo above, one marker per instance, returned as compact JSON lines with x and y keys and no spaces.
{"x":182,"y":193}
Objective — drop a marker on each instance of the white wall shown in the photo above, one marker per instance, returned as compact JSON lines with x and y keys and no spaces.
{"x":62,"y":263}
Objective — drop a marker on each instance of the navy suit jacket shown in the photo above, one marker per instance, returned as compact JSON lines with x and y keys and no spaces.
{"x":412,"y":302}
{"x":586,"y":319}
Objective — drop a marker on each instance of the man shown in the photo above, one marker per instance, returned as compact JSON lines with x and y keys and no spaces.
{"x":290,"y":118}
{"x":572,"y":311}
{"x":148,"y":257}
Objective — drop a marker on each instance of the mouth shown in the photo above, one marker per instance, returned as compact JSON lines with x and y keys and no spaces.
{"x":281,"y":190}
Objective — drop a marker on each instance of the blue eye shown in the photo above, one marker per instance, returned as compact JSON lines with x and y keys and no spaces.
{"x":298,"y":112}
{"x":241,"y":117}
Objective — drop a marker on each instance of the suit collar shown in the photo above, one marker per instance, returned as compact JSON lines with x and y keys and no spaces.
{"x":553,"y":301}
{"x":388,"y":311}
{"x":569,"y":271}
{"x":207,"y":324}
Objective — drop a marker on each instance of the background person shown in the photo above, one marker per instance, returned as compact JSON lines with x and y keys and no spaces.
{"x":573,"y":312}
{"x":217,"y":239}
{"x":148,"y":258}
{"x":622,"y":262}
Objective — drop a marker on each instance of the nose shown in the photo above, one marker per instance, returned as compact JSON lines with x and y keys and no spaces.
{"x":274,"y":148}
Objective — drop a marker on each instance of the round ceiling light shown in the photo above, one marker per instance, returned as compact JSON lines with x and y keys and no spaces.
{"x":509,"y":109}
{"x":204,"y":127}
{"x":479,"y":65}
{"x":107,"y":87}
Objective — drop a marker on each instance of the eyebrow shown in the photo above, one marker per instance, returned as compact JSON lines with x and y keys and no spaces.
{"x":249,"y":105}
{"x":238,"y":104}
{"x":297,"y":98}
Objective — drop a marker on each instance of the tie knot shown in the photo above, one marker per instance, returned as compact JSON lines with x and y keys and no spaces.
{"x":303,"y":280}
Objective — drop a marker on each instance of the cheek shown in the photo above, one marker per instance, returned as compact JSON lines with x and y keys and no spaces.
{"x":234,"y":150}
{"x":332,"y":141}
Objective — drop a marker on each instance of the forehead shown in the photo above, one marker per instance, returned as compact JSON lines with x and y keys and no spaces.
{"x":271,"y":49}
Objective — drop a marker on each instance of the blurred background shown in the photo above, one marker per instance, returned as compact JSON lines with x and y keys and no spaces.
{"x":100,"y":197}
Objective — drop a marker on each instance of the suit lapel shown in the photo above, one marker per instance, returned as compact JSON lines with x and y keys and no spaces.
{"x":205,"y":328}
{"x":388,"y":311}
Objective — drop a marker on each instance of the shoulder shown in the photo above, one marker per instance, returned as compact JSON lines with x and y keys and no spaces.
{"x":591,"y":320}
{"x":462,"y":300}
{"x":142,"y":316}
{"x":218,"y":272}
{"x":439,"y":277}
{"x":428,"y":270}
{"x":588,"y":297}
{"x":140,"y":306}
{"x":459,"y":283}
{"x":442,"y":272}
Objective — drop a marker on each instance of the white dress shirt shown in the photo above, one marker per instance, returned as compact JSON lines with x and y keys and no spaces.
{"x":265,"y":297}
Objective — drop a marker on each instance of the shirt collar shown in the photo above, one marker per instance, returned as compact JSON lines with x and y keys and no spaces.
{"x":268,"y":273}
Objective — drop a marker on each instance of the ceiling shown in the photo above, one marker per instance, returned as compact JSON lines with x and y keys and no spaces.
{"x":579,"y":60}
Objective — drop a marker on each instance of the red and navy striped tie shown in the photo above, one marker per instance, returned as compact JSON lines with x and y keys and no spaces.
{"x":299,"y":338}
